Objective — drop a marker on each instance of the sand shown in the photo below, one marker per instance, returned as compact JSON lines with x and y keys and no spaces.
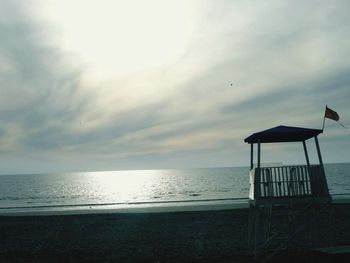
{"x":163,"y":237}
{"x":190,"y":236}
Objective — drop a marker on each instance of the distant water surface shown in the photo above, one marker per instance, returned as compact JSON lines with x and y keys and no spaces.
{"x":140,"y":186}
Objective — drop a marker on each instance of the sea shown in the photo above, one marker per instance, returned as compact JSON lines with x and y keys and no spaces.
{"x":140,"y":187}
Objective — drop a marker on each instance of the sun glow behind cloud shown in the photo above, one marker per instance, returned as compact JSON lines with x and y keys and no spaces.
{"x":129,"y":49}
{"x":117,"y":38}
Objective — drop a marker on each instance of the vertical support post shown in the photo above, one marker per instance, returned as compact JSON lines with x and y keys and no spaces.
{"x":319,"y":152}
{"x":323,"y":186}
{"x":256,"y":233}
{"x":259,"y":154}
{"x":257,"y":174}
{"x":251,"y":156}
{"x":251,"y":222}
{"x":306,"y":155}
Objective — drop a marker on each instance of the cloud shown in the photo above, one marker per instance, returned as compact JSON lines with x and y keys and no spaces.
{"x":40,"y":93}
{"x":285,"y":61}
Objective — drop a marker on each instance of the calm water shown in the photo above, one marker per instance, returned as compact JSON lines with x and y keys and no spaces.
{"x":120,"y":187}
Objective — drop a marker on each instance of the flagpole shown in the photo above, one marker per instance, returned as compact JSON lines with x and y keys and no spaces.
{"x":324,"y":118}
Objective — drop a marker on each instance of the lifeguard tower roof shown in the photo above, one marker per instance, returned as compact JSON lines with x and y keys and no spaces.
{"x":283,"y":134}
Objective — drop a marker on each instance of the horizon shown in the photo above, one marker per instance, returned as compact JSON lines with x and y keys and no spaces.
{"x":131,"y":85}
{"x":160,"y":169}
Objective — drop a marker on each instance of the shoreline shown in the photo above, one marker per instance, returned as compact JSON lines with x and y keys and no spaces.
{"x":160,"y":207}
{"x":139,"y":207}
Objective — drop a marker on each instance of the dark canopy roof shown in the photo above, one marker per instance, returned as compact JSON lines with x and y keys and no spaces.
{"x":283,"y":134}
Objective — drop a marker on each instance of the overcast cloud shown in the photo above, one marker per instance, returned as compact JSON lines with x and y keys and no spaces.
{"x":245,"y":66}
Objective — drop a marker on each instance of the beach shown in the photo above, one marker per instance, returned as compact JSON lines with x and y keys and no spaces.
{"x":165,"y":236}
{"x":123,"y":237}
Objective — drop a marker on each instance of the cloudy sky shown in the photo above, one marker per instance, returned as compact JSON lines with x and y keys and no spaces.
{"x":108,"y":85}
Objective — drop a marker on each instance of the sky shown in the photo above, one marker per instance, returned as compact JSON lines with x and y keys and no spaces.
{"x":109,"y":85}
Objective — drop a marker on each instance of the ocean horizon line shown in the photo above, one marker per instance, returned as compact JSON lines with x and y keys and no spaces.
{"x":155,"y":169}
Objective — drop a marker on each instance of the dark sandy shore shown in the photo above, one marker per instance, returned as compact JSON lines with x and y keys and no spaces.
{"x":202,"y":236}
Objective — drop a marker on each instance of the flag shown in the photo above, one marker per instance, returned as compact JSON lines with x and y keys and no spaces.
{"x":331,"y":114}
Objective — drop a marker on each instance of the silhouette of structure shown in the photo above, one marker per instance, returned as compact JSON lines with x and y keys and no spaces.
{"x":287,"y":192}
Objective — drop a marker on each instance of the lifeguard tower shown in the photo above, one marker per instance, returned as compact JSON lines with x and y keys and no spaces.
{"x":294,"y":189}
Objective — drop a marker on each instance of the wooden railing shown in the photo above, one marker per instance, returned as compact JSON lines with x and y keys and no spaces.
{"x":288,"y":181}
